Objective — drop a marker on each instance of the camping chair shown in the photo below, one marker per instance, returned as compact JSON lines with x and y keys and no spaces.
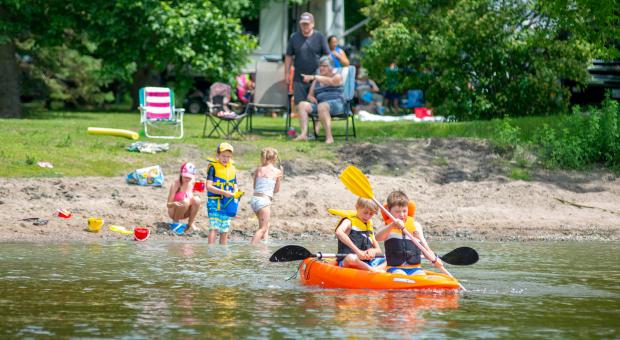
{"x":157,"y":111}
{"x":348,"y":75}
{"x":219,"y":112}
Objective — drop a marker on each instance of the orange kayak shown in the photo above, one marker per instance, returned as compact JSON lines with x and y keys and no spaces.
{"x":329,"y":275}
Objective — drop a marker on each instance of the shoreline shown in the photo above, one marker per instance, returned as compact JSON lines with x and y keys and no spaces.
{"x":468,"y":211}
{"x":459,"y":186}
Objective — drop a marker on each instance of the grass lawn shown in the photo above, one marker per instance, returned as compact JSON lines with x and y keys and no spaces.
{"x":61,"y":139}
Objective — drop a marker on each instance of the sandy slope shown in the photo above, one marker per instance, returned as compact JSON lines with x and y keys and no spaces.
{"x":458,"y":185}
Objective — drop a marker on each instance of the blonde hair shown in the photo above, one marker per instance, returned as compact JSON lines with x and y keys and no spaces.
{"x":365,"y":203}
{"x":397,"y":199}
{"x":268,"y":155}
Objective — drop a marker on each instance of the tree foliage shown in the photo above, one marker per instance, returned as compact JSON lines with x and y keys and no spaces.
{"x":192,"y":36}
{"x":487,"y":58}
{"x":135,"y":39}
{"x":66,"y":75}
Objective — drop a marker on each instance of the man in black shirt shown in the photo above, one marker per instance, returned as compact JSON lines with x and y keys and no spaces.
{"x":306,"y":47}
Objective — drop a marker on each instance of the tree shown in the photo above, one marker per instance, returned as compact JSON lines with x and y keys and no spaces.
{"x":24,"y":19}
{"x":134,"y":39}
{"x":485,"y":58}
{"x":148,"y":37}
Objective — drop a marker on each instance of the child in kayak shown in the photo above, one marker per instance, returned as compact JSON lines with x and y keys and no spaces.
{"x":182,"y":203}
{"x":221,"y":187}
{"x":356,"y":237}
{"x":401,"y":253}
{"x":267,"y":180}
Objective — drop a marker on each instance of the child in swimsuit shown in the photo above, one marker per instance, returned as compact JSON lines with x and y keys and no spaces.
{"x":267,"y":180}
{"x":181,"y":202}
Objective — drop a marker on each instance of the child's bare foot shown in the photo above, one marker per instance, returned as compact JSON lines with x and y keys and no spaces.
{"x":301,"y":138}
{"x":329,"y":141}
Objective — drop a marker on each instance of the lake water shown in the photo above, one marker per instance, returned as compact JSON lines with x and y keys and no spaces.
{"x":180,"y":289}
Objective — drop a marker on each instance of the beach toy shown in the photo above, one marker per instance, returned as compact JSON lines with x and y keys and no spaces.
{"x":141,"y":233}
{"x":94,"y":224}
{"x":62,"y":213}
{"x":113,"y":132}
{"x":178,"y":228}
{"x":230,"y":205}
{"x":120,"y":229}
{"x":200,"y":186}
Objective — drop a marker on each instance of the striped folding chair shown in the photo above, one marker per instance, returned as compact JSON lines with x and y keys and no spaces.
{"x":158,"y":114}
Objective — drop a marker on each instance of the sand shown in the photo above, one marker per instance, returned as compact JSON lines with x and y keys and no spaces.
{"x":459,"y":186}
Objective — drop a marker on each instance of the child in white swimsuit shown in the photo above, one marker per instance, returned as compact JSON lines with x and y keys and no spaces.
{"x":266,"y":183}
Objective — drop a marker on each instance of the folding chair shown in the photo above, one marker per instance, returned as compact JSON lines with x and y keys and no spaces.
{"x":348,"y":74}
{"x":219,"y":113}
{"x":157,"y":112}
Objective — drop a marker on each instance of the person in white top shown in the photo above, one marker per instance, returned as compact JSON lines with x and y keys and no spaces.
{"x":267,"y":180}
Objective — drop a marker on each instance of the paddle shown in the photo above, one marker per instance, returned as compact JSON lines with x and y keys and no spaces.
{"x":296,"y":253}
{"x":462,"y":256}
{"x":355,"y":180}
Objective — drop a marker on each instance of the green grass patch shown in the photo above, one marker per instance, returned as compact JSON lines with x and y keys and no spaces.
{"x":61,"y":138}
{"x":518,"y":173}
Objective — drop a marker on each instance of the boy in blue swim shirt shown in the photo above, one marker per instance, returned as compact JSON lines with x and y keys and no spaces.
{"x":356,"y":237}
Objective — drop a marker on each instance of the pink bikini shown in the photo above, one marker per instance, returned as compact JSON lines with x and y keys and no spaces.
{"x":182,"y":195}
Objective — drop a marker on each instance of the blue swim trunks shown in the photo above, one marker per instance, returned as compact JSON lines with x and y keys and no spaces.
{"x":217,"y":219}
{"x":373,"y":263}
{"x":408,"y":271}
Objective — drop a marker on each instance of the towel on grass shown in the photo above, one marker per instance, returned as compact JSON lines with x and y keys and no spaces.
{"x":366,"y":116}
{"x":147,"y":147}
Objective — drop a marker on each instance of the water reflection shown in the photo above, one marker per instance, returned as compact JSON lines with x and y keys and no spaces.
{"x":401,"y":311}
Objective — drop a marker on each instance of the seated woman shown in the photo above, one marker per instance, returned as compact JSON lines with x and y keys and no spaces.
{"x":326,"y":97}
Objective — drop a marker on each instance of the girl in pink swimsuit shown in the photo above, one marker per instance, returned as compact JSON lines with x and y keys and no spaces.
{"x":181,"y":202}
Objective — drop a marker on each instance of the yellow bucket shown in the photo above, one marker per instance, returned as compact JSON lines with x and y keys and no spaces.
{"x":94,"y":224}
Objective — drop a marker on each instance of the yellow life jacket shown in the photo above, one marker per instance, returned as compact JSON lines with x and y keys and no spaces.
{"x":224,"y":178}
{"x":362,"y":234}
{"x":409,"y":226}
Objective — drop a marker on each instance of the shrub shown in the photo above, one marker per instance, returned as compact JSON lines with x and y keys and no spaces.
{"x":507,"y":136}
{"x":582,"y":139}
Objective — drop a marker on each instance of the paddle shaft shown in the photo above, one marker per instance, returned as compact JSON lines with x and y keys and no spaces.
{"x":320,"y":255}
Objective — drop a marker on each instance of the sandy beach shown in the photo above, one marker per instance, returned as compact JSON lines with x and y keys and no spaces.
{"x":459,"y":186}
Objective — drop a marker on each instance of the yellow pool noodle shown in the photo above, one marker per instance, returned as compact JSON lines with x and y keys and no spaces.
{"x":113,"y":132}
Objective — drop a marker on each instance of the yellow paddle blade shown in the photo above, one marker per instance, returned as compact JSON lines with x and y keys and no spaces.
{"x":342,"y":212}
{"x":355,"y":180}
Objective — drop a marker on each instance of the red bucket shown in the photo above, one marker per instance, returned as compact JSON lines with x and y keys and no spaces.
{"x":141,"y":233}
{"x":62,"y":213}
{"x":200,"y":186}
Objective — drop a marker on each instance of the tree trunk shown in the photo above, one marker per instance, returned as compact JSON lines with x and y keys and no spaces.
{"x":144,"y":76}
{"x":10,"y":104}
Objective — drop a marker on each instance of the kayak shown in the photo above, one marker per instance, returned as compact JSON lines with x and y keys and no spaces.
{"x":315,"y":272}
